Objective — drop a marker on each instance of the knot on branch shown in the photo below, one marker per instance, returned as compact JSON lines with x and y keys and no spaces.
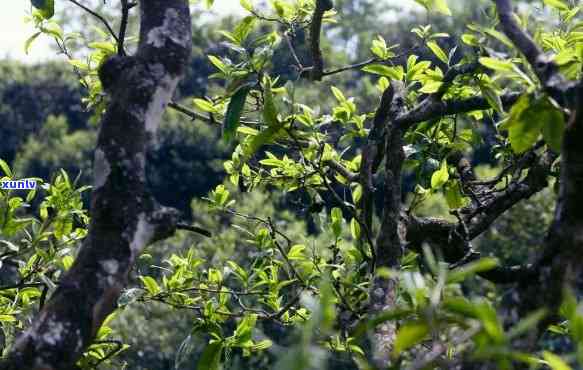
{"x":165,"y":221}
{"x":112,"y":70}
{"x":399,"y":101}
{"x":544,"y":62}
{"x":549,"y":74}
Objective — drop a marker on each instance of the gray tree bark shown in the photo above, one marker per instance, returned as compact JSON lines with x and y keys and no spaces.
{"x":124,"y":216}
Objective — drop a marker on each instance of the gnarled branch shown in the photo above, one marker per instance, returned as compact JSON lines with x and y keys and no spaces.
{"x":431,"y":108}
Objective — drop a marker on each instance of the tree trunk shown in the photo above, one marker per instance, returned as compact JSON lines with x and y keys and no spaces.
{"x":390,"y":239}
{"x":124,"y":216}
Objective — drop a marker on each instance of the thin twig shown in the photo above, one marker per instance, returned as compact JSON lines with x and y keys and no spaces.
{"x":194,"y":229}
{"x":283,"y":253}
{"x":350,"y":67}
{"x":125,"y":12}
{"x":99,"y":17}
{"x":231,"y":292}
{"x":343,"y":171}
{"x":293,"y":51}
{"x":198,"y":116}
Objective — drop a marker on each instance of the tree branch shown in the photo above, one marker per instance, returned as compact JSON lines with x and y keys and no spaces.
{"x":561,"y":263}
{"x":431,"y":108}
{"x":99,"y":17}
{"x":315,"y":32}
{"x":125,"y":13}
{"x":193,"y":115}
{"x":373,"y":153}
{"x":349,"y":67}
{"x":194,"y":229}
{"x":454,"y":239}
{"x":543,"y":65}
{"x":341,"y":170}
{"x":451,"y":74}
{"x":389,"y":242}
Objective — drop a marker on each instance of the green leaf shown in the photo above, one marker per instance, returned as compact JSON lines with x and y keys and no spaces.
{"x":453,"y":195}
{"x":460,"y":306}
{"x":338,"y":94}
{"x":379,"y":48}
{"x":150,"y":284}
{"x":53,"y":29}
{"x":557,"y":4}
{"x":46,"y":8}
{"x":492,"y":326}
{"x":246,"y":130}
{"x":440,"y":177}
{"x":79,"y":64}
{"x":521,"y":134}
{"x":108,"y":47}
{"x":496,"y":64}
{"x":336,"y":221}
{"x":555,"y":362}
{"x":239,"y":271}
{"x":269,"y":108}
{"x":553,"y":128}
{"x":29,"y":41}
{"x":394,"y":73}
{"x":246,"y":4}
{"x":7,"y":318}
{"x":355,"y":229}
{"x":528,"y":119}
{"x":409,"y":335}
{"x":6,"y":169}
{"x":492,"y":97}
{"x":498,"y":36}
{"x":234,"y":111}
{"x":13,"y":247}
{"x":357,"y":194}
{"x":527,"y":323}
{"x":274,"y":125}
{"x":296,"y":252}
{"x":211,"y":357}
{"x":438,"y":51}
{"x":63,"y":227}
{"x":397,"y":313}
{"x":245,"y":329}
{"x":472,"y":268}
{"x":244,"y":28}
{"x":218,"y":63}
{"x":263,"y":345}
{"x":204,"y":105}
{"x":439,"y":6}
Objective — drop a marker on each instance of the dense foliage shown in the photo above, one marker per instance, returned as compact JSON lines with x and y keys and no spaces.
{"x":285,"y":167}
